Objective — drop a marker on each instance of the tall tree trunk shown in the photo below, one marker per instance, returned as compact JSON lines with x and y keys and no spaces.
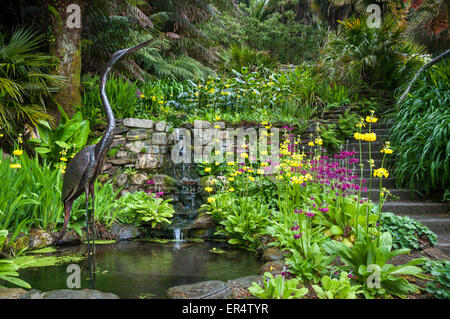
{"x":66,"y":46}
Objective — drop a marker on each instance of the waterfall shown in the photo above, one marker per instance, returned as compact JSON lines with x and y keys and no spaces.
{"x":177,"y":234}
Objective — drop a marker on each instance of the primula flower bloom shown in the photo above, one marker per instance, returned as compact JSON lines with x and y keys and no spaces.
{"x":211,"y":199}
{"x":381,"y":172}
{"x":15,"y":166}
{"x":371,"y":119}
{"x":18,"y":152}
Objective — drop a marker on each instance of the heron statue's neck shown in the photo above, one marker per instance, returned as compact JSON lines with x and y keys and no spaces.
{"x":103,"y":146}
{"x":105,"y":143}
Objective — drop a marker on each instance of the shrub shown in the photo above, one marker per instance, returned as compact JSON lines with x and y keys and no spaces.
{"x":440,"y":286}
{"x":141,"y":208}
{"x":406,"y":231}
{"x":421,"y":134}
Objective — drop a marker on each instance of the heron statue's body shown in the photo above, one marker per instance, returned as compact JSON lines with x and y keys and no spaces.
{"x":87,"y":164}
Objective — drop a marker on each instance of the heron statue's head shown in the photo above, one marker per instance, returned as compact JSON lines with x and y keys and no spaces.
{"x":119,"y":54}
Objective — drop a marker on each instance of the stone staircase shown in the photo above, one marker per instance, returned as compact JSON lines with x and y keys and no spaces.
{"x":433,"y":214}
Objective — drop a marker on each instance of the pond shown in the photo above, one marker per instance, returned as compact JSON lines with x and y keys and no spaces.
{"x":132,"y":269}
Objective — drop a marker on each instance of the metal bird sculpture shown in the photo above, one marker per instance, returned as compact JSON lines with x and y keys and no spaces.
{"x":87,"y":164}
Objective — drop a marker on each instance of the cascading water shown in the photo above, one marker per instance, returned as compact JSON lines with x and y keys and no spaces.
{"x":185,"y":201}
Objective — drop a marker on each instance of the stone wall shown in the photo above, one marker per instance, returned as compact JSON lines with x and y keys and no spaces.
{"x":140,"y":156}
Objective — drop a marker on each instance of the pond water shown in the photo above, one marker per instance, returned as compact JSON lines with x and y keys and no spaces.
{"x":130,"y":269}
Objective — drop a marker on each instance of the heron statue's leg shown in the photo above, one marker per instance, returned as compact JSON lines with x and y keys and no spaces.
{"x":87,"y":235}
{"x":92,"y":225}
{"x":67,"y":209}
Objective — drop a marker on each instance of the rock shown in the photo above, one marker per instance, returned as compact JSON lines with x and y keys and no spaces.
{"x":213,"y":289}
{"x":12,"y":293}
{"x":203,"y":137}
{"x":220,"y":125}
{"x":244,"y":282}
{"x":274,"y":267}
{"x":120,"y":161}
{"x":159,"y":138}
{"x":69,"y":294}
{"x":202,"y":124}
{"x":436,"y":253}
{"x":118,"y":142}
{"x":154,"y":149}
{"x":146,"y":161}
{"x":272,"y":254}
{"x":20,"y":243}
{"x":120,"y":129}
{"x":70,"y":237}
{"x":125,"y":231}
{"x":139,"y":123}
{"x":203,"y":221}
{"x":135,"y":147}
{"x":121,"y":179}
{"x":139,"y":178}
{"x":239,"y":286}
{"x":160,"y":126}
{"x":138,"y":134}
{"x":202,"y":233}
{"x":39,"y":238}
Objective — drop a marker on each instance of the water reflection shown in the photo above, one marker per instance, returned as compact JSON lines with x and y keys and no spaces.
{"x":130,"y":269}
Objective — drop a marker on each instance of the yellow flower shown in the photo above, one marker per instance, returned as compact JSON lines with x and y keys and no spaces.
{"x":311,"y":144}
{"x":216,"y":126}
{"x":244,"y":155}
{"x":211,"y":199}
{"x":18,"y":152}
{"x":231,"y":189}
{"x":63,"y":159}
{"x":207,"y":169}
{"x":217,"y":118}
{"x":15,"y":165}
{"x":212,"y":91}
{"x":260,"y":171}
{"x":227,"y":85}
{"x":208,"y":189}
{"x":142,"y":96}
{"x":1,"y":135}
{"x":230,"y":179}
{"x":217,"y":152}
{"x":230,"y":163}
{"x":381,"y":172}
{"x":318,"y":141}
{"x":371,"y":119}
{"x":369,"y":137}
{"x":250,"y":178}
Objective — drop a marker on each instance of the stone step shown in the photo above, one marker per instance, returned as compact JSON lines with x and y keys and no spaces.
{"x":377,"y":161}
{"x":380,"y":131}
{"x":438,"y":224}
{"x":402,"y":194}
{"x":416,"y":207}
{"x":366,"y":170}
{"x":375,"y":147}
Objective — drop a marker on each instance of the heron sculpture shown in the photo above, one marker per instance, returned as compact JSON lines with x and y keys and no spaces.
{"x":87,"y":164}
